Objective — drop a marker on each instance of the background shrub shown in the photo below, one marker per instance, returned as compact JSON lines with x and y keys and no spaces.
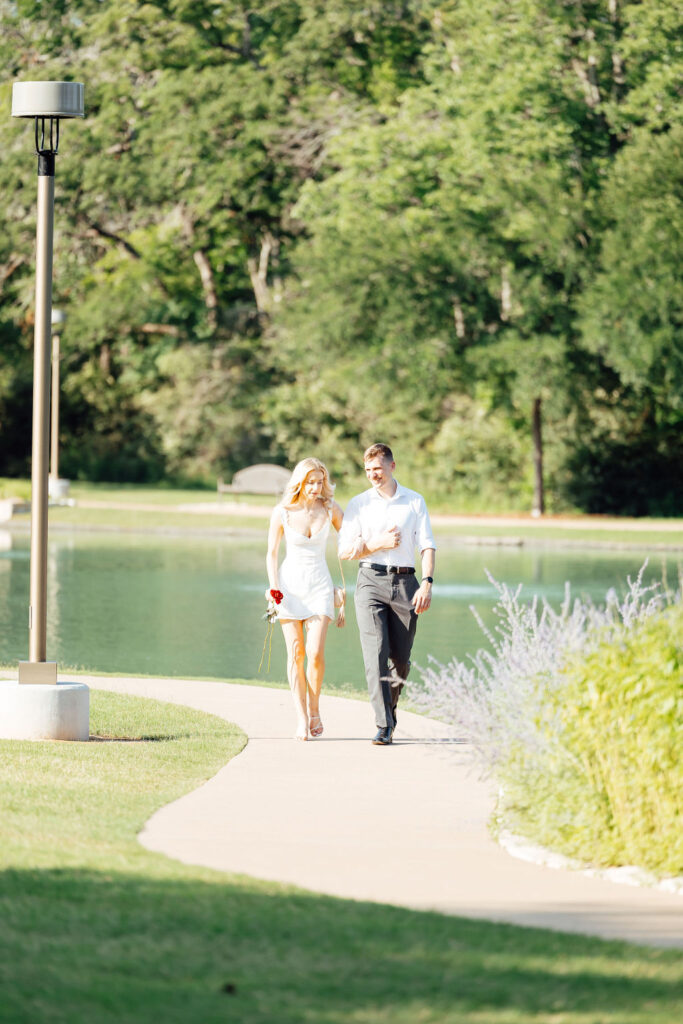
{"x":579,"y":715}
{"x":611,"y":791}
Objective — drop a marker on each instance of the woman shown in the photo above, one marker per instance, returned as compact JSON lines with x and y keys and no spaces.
{"x":303,"y":517}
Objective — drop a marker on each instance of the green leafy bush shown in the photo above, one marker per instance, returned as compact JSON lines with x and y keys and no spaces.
{"x":578,"y":713}
{"x":607,"y":786}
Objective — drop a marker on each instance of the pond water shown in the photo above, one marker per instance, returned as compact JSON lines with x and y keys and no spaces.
{"x":186,"y":606}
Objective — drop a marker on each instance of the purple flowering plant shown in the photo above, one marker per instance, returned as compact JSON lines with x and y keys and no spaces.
{"x":498,"y":697}
{"x":574,"y":713}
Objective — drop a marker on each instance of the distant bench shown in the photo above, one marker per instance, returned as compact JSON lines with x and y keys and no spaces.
{"x":262,"y":478}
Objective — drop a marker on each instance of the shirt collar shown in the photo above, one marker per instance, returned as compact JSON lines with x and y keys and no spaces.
{"x":380,"y":497}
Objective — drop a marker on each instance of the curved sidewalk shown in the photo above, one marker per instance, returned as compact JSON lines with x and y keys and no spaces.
{"x":404,"y":825}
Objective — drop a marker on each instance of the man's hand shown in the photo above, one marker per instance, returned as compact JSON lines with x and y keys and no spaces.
{"x":360,"y":548}
{"x":390,"y":539}
{"x":423,"y":598}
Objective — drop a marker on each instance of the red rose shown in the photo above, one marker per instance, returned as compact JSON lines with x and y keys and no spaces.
{"x":276,"y":595}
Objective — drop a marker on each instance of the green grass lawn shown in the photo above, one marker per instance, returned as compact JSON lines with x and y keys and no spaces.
{"x":96,"y":929}
{"x":620,"y":532}
{"x":140,"y":519}
{"x":657,"y":533}
{"x":158,"y":495}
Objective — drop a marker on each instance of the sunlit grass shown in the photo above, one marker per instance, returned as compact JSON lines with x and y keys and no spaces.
{"x":95,"y":928}
{"x":156,"y":521}
{"x":615,"y":531}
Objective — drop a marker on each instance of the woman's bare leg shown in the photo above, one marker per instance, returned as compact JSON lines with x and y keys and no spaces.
{"x":316,"y":634}
{"x":293,"y":631}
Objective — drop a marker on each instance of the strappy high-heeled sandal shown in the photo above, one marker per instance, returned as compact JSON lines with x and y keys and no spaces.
{"x":316,"y":730}
{"x":301,"y":732}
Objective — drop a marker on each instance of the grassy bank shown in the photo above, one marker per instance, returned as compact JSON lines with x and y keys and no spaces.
{"x":97,"y":928}
{"x":140,"y":507}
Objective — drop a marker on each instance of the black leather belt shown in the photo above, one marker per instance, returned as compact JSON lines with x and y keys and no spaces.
{"x":400,"y":570}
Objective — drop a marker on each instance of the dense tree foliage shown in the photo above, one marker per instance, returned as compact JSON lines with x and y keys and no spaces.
{"x":302,"y":227}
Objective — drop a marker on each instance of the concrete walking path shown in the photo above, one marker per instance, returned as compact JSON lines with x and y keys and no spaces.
{"x":404,"y":825}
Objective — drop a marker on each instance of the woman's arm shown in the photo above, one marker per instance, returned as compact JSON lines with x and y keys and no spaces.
{"x":337,"y":516}
{"x":275,"y":532}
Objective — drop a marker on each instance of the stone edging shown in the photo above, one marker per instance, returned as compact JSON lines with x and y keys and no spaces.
{"x":524,"y":849}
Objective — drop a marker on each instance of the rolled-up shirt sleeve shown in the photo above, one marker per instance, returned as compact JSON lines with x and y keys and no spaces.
{"x":351,"y":526}
{"x":424,"y":538}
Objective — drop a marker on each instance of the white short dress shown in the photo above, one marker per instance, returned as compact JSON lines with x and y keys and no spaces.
{"x":305,"y":579}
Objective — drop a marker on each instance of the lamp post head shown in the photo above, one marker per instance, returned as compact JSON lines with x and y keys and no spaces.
{"x":47,"y":99}
{"x":48,"y":102}
{"x":58,"y":317}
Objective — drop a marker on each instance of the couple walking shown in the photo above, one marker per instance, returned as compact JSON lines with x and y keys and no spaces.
{"x":381,"y":529}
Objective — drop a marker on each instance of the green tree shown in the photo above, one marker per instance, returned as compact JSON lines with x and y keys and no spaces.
{"x":308,"y":225}
{"x":632,"y":315}
{"x":448,"y":251}
{"x":633,"y":308}
{"x":175,"y":195}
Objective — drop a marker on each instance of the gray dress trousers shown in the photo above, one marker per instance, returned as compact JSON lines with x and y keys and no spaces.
{"x":386,"y":622}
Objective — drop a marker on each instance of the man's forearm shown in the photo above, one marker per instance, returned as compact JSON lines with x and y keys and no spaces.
{"x":361,"y":548}
{"x":356,"y":549}
{"x":428,"y":562}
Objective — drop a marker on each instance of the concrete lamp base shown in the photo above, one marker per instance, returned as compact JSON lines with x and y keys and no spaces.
{"x":39,"y":711}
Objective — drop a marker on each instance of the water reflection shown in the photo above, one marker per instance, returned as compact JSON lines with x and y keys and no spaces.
{"x":193,"y":607}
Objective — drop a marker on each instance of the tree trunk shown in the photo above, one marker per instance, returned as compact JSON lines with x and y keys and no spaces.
{"x":201,"y":262}
{"x":459,"y":320}
{"x":618,"y":72}
{"x":170,"y":330}
{"x":208,"y":287}
{"x":539,"y":495}
{"x":258,"y":273}
{"x":505,"y":295}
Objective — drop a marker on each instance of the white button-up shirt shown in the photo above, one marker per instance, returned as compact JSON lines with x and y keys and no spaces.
{"x":370,"y":514}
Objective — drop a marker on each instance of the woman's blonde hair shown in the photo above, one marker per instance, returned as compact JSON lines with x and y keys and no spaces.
{"x":293,"y":490}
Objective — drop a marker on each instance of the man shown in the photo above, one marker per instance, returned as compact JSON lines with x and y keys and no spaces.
{"x":382,"y":527}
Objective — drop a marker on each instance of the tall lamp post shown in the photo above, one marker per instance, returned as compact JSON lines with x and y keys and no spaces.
{"x":56,"y":488}
{"x":47,"y":103}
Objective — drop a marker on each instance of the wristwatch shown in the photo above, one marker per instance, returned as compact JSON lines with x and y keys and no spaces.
{"x":427,"y":579}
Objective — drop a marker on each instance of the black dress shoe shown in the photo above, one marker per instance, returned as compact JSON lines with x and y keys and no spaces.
{"x":383,"y":737}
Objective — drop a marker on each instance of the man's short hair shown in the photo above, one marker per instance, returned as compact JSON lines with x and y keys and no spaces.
{"x":379,"y":450}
